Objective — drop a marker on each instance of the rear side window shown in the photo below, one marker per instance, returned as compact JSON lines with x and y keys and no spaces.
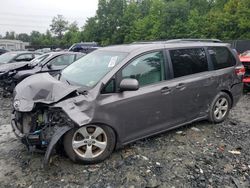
{"x":221,"y":57}
{"x":188,"y":61}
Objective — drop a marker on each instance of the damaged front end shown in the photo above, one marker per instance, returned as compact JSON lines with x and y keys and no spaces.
{"x":42,"y":128}
{"x":35,"y":119}
{"x":37,"y":128}
{"x":7,"y":73}
{"x":7,"y":81}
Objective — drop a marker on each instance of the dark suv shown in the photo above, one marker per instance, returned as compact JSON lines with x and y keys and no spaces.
{"x":84,"y":47}
{"x":119,"y":94}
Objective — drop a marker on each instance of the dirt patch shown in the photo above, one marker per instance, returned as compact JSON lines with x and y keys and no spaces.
{"x":197,"y":155}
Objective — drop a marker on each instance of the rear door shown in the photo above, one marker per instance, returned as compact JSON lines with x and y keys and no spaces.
{"x":193,"y":83}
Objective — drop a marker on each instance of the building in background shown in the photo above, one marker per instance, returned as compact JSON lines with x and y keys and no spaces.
{"x":12,"y":44}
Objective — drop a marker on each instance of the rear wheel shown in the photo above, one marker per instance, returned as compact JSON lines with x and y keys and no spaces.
{"x":220,"y":108}
{"x":89,"y":144}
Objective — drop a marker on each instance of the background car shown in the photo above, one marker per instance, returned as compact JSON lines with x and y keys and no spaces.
{"x":245,"y":59}
{"x":17,"y":56}
{"x":52,"y":62}
{"x":2,"y":51}
{"x":43,"y":50}
{"x":84,"y":47}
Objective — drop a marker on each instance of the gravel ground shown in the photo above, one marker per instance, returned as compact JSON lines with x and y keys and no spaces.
{"x":197,"y":155}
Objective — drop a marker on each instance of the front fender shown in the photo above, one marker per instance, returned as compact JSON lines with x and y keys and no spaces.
{"x":55,"y":138}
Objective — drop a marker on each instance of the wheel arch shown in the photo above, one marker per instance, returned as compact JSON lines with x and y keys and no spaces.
{"x":118,"y":143}
{"x":230,"y":95}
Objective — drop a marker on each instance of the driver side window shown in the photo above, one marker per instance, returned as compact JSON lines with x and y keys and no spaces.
{"x":147,"y":69}
{"x":62,"y":60}
{"x":24,"y":57}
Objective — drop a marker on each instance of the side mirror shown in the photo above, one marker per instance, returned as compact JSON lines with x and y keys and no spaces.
{"x":49,"y":65}
{"x":129,"y":84}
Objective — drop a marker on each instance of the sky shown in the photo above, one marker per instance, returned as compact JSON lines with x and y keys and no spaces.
{"x":24,"y":16}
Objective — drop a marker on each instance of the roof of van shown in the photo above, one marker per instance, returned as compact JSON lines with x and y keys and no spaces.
{"x":154,"y":45}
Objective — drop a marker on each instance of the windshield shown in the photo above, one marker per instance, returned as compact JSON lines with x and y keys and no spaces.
{"x":5,"y":58}
{"x":90,"y":69}
{"x":39,"y":59}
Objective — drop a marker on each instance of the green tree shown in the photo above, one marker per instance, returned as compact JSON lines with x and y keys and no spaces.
{"x":35,"y":38}
{"x":23,"y":37}
{"x":59,"y":25}
{"x":73,"y":35}
{"x":10,"y":35}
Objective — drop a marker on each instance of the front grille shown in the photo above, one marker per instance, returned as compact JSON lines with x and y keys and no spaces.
{"x":247,"y":68}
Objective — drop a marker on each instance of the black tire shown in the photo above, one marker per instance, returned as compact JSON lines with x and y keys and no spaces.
{"x":76,"y":157}
{"x":211,"y":116}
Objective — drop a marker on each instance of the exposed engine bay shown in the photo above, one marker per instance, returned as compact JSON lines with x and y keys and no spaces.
{"x":38,"y":127}
{"x":41,"y":129}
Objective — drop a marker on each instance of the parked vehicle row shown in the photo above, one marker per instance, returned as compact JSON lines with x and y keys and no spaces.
{"x":14,"y":72}
{"x":119,"y":94}
{"x":17,"y":56}
{"x":2,"y":51}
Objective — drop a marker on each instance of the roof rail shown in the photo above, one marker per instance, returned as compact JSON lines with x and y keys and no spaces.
{"x":178,"y":40}
{"x":193,"y":40}
{"x":147,"y":42}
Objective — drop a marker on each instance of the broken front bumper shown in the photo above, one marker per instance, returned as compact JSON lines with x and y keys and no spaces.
{"x":33,"y":139}
{"x":16,"y":131}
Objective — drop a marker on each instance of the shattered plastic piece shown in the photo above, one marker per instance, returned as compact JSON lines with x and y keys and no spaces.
{"x":195,"y":129}
{"x":235,"y":152}
{"x":179,"y":132}
{"x":145,"y":158}
{"x":201,"y":171}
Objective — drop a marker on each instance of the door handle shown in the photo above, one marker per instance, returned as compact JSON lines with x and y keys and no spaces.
{"x":165,"y":90}
{"x":180,"y":86}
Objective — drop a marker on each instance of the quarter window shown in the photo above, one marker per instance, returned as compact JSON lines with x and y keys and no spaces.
{"x":147,"y":69}
{"x":221,"y":57}
{"x":188,"y":61}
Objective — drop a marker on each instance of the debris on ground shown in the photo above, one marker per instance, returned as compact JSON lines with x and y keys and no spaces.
{"x":196,"y":155}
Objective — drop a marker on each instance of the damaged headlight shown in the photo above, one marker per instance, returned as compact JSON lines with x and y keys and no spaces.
{"x":23,"y":105}
{"x":17,"y":104}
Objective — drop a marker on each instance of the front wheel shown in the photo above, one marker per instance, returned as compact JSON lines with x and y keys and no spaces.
{"x":220,"y":108}
{"x":89,"y":144}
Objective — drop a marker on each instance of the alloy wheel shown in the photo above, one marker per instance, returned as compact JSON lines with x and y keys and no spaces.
{"x":221,"y":108}
{"x":89,"y":141}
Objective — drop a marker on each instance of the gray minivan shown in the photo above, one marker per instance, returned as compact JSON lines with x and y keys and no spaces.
{"x":119,"y":94}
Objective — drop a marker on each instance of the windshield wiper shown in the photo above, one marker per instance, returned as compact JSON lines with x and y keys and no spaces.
{"x":67,"y":82}
{"x":59,"y":78}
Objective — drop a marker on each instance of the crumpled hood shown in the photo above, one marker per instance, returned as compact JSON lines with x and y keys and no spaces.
{"x":28,"y":72}
{"x":40,"y":88}
{"x":12,"y":66}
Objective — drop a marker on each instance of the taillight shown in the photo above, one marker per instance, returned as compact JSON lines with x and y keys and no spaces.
{"x":240,"y":70}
